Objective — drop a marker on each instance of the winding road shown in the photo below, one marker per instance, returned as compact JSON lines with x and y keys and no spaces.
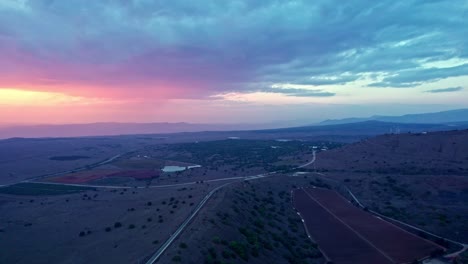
{"x":184,"y":224}
{"x":181,"y":228}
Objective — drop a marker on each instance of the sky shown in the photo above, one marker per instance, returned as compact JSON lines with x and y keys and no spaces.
{"x":245,"y":61}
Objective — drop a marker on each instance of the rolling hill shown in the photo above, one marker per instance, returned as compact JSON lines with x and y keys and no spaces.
{"x":445,"y":117}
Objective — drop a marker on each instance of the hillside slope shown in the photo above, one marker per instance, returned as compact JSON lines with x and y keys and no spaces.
{"x":451,"y":116}
{"x":418,"y":178}
{"x":434,"y":153}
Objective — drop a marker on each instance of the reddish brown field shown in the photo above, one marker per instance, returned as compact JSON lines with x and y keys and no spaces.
{"x":81,"y":177}
{"x":348,"y":234}
{"x":88,"y":176}
{"x":136,"y":174}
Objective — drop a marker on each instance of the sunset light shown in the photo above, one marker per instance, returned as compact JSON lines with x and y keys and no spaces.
{"x":233,"y":131}
{"x":14,"y":97}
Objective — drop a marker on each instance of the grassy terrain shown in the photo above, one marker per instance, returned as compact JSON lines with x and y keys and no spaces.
{"x":101,"y":226}
{"x":421,"y":179}
{"x":242,"y":154}
{"x":41,"y":189}
{"x":248,"y":222}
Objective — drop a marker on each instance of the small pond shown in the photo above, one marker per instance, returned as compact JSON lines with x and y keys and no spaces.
{"x":178,"y":168}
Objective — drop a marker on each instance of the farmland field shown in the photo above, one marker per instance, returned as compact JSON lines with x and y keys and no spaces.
{"x":347,"y":234}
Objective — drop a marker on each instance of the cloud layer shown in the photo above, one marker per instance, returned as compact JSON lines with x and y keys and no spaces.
{"x":446,"y":90}
{"x":185,"y":49}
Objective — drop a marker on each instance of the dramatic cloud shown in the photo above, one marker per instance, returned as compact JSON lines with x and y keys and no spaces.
{"x":446,"y":90}
{"x":414,"y":77}
{"x":197,"y":49}
{"x":181,"y":49}
{"x":300,"y":92}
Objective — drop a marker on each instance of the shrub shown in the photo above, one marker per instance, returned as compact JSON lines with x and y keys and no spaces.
{"x":212,"y":252}
{"x":131,"y":226}
{"x":225,"y":254}
{"x":117,"y":225}
{"x":255,"y":251}
{"x":183,"y":245}
{"x":239,"y":249}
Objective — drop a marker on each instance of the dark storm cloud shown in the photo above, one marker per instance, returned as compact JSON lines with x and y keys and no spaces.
{"x":446,"y":90}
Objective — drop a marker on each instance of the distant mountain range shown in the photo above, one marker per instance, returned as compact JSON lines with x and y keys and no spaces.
{"x":111,"y":129}
{"x":366,"y":128}
{"x":452,"y":116}
{"x":354,"y":127}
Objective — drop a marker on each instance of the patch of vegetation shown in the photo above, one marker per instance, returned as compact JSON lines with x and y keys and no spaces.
{"x":68,"y":158}
{"x":244,"y":154}
{"x":177,"y":258}
{"x":267,"y":228}
{"x":183,"y":245}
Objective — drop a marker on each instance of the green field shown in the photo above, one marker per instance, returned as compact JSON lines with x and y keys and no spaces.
{"x":68,"y":158}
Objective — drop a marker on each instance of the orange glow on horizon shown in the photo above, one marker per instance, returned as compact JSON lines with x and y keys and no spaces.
{"x":16,"y":97}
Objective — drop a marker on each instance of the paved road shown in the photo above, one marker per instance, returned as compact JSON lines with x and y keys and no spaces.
{"x":456,"y":254}
{"x":109,"y":160}
{"x":181,"y":228}
{"x":308,"y":163}
{"x":87,"y":167}
{"x":140,"y":187}
{"x":163,"y":248}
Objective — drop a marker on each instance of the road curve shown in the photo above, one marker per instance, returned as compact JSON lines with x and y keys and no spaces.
{"x":181,"y":228}
{"x":169,"y":241}
{"x":308,"y":163}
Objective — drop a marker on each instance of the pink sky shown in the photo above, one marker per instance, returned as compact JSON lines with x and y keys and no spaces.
{"x":140,"y":61}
